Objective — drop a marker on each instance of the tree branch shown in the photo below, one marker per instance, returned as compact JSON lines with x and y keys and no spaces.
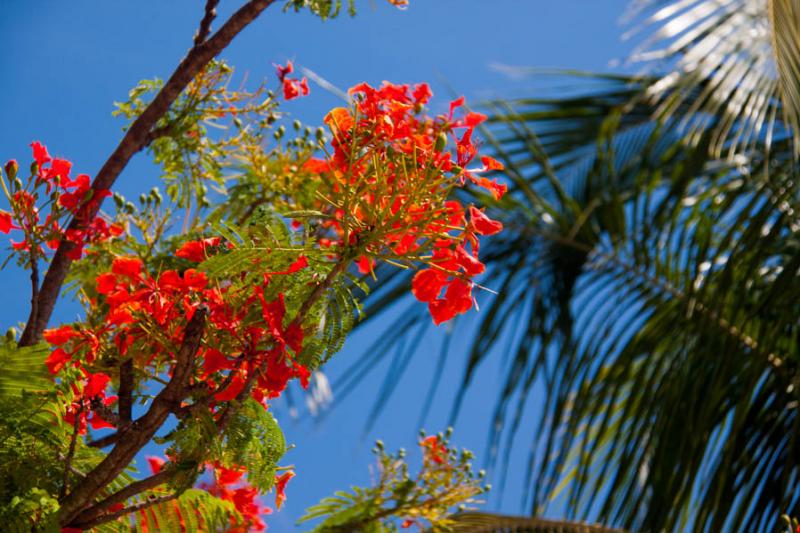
{"x":125,"y":391}
{"x":134,"y":140}
{"x":137,"y":487}
{"x":123,"y":512}
{"x":205,"y":24}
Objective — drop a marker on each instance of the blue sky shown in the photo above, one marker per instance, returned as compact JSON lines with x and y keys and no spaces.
{"x":65,"y":63}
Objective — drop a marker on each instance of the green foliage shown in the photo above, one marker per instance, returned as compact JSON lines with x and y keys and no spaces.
{"x":324,"y":9}
{"x":444,"y":481}
{"x":253,"y":440}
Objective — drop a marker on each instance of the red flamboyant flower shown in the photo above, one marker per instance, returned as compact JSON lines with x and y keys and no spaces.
{"x":228,"y":484}
{"x":483,"y":225}
{"x":434,"y":450}
{"x":6,"y":222}
{"x":292,"y":87}
{"x":74,"y":198}
{"x":280,"y":487}
{"x":391,"y":163}
{"x":197,"y":251}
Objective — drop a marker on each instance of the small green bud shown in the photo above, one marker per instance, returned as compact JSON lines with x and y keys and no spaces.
{"x":441,"y":143}
{"x":11,"y":169}
{"x":297,"y":125}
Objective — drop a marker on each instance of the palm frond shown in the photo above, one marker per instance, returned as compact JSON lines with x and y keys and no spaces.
{"x":728,"y":48}
{"x":475,"y":522}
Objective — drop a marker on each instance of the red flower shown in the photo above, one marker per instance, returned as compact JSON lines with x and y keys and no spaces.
{"x":491,"y":163}
{"x":96,"y":385}
{"x":6,"y":222}
{"x":365,"y":264}
{"x":60,"y":335}
{"x":293,"y":88}
{"x":483,"y":225}
{"x":457,"y":300}
{"x":284,"y":71}
{"x":128,"y":266}
{"x":427,"y":284}
{"x":422,"y":93}
{"x":156,"y":463}
{"x":106,"y":283}
{"x":40,"y":153}
{"x":197,"y":250}
{"x":280,"y":487}
{"x":317,"y":166}
{"x":231,"y":391}
{"x":300,"y":263}
{"x":434,"y":450}
{"x":56,"y":361}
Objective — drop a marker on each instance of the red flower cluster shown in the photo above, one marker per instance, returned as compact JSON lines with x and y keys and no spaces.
{"x":228,"y":484}
{"x":433,"y":450}
{"x":391,"y":174}
{"x":246,"y":332}
{"x":86,"y":391}
{"x":292,"y":87}
{"x":68,"y":196}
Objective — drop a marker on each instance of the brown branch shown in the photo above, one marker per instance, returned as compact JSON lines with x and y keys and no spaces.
{"x":140,"y":432}
{"x":129,"y":491}
{"x":205,"y":24}
{"x":157,"y":133}
{"x":34,"y":283}
{"x":108,"y":440}
{"x":105,"y":412}
{"x":127,"y":510}
{"x":134,"y":140}
{"x":125,"y":391}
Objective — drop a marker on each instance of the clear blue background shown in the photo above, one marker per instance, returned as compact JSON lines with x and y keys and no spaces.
{"x":63,"y":64}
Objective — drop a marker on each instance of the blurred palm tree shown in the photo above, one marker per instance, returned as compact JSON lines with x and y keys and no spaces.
{"x":648,"y":278}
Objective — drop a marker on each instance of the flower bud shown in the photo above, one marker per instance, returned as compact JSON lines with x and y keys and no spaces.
{"x":11,"y":169}
{"x":441,"y":143}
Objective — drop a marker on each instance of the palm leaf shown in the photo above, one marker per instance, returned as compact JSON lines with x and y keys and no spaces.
{"x":495,"y":523}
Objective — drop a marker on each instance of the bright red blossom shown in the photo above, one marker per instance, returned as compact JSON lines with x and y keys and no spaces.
{"x":280,"y":487}
{"x":197,"y":251}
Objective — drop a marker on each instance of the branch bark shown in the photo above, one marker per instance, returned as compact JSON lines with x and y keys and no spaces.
{"x":205,"y":25}
{"x":137,"y":487}
{"x":135,"y":139}
{"x":102,"y":519}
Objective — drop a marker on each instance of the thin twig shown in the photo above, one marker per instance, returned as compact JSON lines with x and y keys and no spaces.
{"x":205,"y":24}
